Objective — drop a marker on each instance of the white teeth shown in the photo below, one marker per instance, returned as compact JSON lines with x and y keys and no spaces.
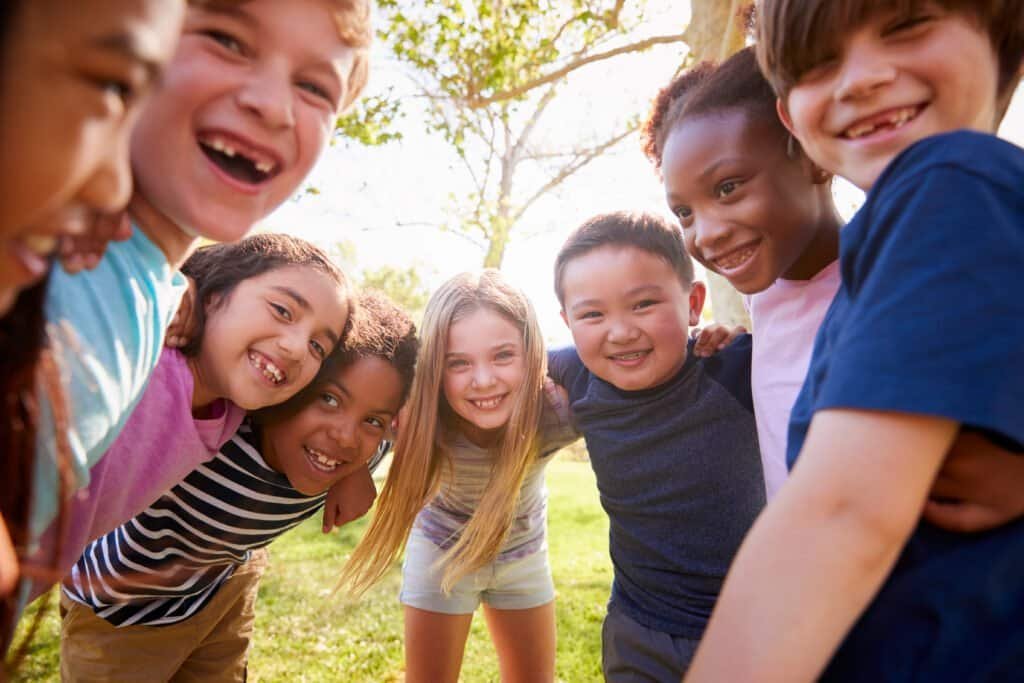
{"x":270,"y":371}
{"x":264,"y":166}
{"x":40,"y":244}
{"x":488,"y":403}
{"x":630,"y":356}
{"x":895,"y":120}
{"x":229,"y":151}
{"x":736,"y":258}
{"x":321,"y":459}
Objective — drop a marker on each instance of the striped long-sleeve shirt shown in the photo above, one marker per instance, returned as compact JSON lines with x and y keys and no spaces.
{"x":168,"y":562}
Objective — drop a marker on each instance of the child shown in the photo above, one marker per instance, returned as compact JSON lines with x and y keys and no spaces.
{"x":758,"y":212}
{"x":466,"y":487}
{"x":169,"y":595}
{"x":899,"y":369}
{"x":69,"y":93}
{"x":671,"y":437}
{"x":269,"y":310}
{"x":246,"y":106}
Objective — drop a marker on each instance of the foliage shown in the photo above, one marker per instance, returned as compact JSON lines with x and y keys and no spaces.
{"x":402,"y":285}
{"x":488,"y":70}
{"x":371,"y":121}
{"x":305,"y":632}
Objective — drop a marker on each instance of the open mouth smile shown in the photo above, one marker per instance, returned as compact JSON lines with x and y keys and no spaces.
{"x":487,"y":403}
{"x":735,"y":259}
{"x":275,"y":375}
{"x":630,"y":358}
{"x":321,"y":461}
{"x":892,"y":119}
{"x":241,"y":161}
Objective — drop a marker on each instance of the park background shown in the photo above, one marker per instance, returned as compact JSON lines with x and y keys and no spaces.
{"x":489,"y":130}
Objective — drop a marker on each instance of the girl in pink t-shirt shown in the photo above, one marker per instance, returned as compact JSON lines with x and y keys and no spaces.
{"x":268,"y":310}
{"x":756,"y":210}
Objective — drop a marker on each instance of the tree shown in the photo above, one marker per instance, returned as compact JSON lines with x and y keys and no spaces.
{"x":489,"y":71}
{"x":402,"y":285}
{"x":715,"y":32}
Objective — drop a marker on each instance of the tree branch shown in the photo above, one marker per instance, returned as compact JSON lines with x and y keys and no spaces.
{"x":640,"y":46}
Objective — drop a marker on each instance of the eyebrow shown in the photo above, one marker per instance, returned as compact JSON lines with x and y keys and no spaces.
{"x":304,"y":304}
{"x":653,"y":289}
{"x":715,"y":166}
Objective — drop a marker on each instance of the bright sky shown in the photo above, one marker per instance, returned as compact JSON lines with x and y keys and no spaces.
{"x":385,"y":200}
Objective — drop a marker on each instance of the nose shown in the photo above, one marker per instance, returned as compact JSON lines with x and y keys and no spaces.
{"x":863,"y":68}
{"x":622,"y":331}
{"x":482,"y":376}
{"x":343,"y":432}
{"x":109,"y":187}
{"x":267,"y":94}
{"x":293,"y":342}
{"x":707,"y":232}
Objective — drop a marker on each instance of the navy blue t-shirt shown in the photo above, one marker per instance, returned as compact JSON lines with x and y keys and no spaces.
{"x":679,"y":474}
{"x":929,"y":320}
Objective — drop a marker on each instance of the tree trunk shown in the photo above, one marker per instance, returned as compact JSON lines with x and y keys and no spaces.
{"x":714,"y":33}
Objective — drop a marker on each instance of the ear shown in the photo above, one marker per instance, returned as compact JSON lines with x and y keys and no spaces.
{"x":698,"y":292}
{"x":780,"y":107}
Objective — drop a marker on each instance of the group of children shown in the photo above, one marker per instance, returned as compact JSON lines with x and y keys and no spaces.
{"x":884,"y":370}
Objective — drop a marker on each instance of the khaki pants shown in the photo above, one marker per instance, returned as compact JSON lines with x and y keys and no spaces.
{"x":210,"y":646}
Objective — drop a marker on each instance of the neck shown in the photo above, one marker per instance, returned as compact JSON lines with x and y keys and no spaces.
{"x":173,"y":241}
{"x":203,"y":395}
{"x":483,"y":438}
{"x":822,"y":250}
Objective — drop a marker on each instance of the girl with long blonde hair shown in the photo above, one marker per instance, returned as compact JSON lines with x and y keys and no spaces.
{"x":465,"y":493}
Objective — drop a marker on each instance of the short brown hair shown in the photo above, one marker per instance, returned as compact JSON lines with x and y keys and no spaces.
{"x":645,"y":231}
{"x":795,"y":35}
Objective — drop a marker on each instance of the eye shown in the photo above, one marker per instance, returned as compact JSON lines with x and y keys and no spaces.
{"x":330,"y":399}
{"x":505,"y":355}
{"x":683,"y":212}
{"x":457,"y":364}
{"x":122,"y":90}
{"x":644,"y":303}
{"x":726,"y":188}
{"x":281,"y":311}
{"x":376,"y":422}
{"x":906,"y":23}
{"x":316,"y":89}
{"x":318,"y":350}
{"x":225,"y":40}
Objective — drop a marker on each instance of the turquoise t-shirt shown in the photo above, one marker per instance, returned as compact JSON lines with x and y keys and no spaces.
{"x":106,"y":327}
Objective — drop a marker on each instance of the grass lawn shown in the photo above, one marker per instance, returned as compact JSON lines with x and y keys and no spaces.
{"x":304,"y":633}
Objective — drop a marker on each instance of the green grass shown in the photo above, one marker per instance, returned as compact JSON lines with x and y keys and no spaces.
{"x":304,"y":632}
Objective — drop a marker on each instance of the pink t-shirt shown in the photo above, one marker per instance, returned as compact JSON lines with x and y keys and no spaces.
{"x":786,"y":317}
{"x":160,"y":444}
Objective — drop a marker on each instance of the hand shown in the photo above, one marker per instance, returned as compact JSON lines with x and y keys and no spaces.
{"x":349,"y":499}
{"x":84,"y":252}
{"x":714,"y":338}
{"x":183,"y":326}
{"x":980,"y":486}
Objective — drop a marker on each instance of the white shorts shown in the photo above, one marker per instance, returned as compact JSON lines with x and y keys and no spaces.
{"x":521,"y":583}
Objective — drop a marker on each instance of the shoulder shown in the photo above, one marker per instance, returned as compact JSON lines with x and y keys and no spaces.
{"x":564,"y":365}
{"x":964,"y":154}
{"x":730,"y":368}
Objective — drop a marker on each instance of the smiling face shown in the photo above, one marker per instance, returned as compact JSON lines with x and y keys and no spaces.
{"x":266,"y":340}
{"x":70,"y":90}
{"x":748,"y":212}
{"x":484,"y":367}
{"x":246,"y":107}
{"x":895,"y":80}
{"x":629,"y":313}
{"x":340,"y":428}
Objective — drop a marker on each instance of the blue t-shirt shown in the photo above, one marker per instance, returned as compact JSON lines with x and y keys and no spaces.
{"x":930,"y":320}
{"x":106,"y":327}
{"x":679,"y":474}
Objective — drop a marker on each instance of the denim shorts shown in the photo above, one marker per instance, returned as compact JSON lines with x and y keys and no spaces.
{"x":521,"y":583}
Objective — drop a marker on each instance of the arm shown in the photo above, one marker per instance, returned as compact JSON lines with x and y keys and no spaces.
{"x":819,"y":553}
{"x":980,"y":486}
{"x":349,"y":499}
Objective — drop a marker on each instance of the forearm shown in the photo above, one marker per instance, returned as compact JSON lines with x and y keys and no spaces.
{"x":819,"y":552}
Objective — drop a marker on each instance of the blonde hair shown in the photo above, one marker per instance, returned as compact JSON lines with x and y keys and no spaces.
{"x":422,"y":449}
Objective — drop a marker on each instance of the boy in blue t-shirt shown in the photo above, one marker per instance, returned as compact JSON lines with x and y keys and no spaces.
{"x":921,"y":347}
{"x":671,"y":436}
